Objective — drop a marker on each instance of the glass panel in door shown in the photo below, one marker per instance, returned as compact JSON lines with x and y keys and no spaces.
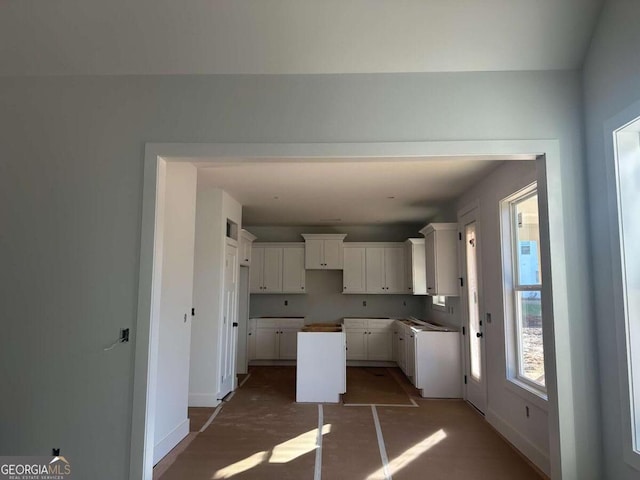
{"x":475,"y":326}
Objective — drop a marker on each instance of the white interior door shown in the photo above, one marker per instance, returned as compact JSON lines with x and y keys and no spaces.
{"x":228,"y":333}
{"x":242,"y":360}
{"x":475,"y":372}
{"x":174,"y":334}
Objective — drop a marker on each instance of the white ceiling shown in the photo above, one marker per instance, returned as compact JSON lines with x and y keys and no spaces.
{"x":344,"y":192}
{"x":52,"y":37}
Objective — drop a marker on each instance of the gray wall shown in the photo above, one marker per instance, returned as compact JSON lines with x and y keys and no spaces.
{"x":324,"y":302}
{"x":71,"y":167}
{"x":611,"y":84}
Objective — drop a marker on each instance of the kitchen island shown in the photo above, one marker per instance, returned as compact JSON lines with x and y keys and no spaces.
{"x":321,"y":375}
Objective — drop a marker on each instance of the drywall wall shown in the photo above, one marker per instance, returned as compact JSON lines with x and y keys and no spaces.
{"x":505,"y":406}
{"x":214,"y":207}
{"x":324,"y":302}
{"x":174,"y":332}
{"x":71,"y":176}
{"x":611,"y":84}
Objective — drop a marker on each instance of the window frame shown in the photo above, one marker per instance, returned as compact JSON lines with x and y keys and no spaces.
{"x":629,"y":386}
{"x":512,"y":287}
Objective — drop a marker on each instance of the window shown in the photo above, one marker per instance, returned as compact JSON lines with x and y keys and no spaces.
{"x":523,"y":289}
{"x":626,"y":145}
{"x":439,"y":301}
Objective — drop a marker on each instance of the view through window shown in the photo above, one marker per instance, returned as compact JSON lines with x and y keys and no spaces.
{"x":526,"y":289}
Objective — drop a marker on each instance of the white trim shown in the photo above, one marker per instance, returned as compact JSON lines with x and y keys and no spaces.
{"x":168,"y":443}
{"x":381,"y":446}
{"x":527,"y":392}
{"x":548,"y":153}
{"x":203,"y":400}
{"x":528,"y":449}
{"x":611,"y":126}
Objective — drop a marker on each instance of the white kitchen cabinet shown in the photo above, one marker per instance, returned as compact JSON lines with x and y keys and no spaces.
{"x":323,"y":251}
{"x":245,"y":247}
{"x":369,"y":339}
{"x":277,"y":268}
{"x":430,"y":358}
{"x":441,"y":258}
{"x":416,"y":268}
{"x":374,"y":267}
{"x":276,"y":338}
{"x":385,"y":268}
{"x":251,"y":340}
{"x":353,"y":275}
{"x":293,"y":271}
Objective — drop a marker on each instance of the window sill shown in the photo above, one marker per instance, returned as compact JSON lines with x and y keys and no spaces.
{"x":528,"y":393}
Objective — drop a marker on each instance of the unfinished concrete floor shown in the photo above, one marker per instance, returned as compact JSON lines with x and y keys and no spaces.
{"x":261,"y":433}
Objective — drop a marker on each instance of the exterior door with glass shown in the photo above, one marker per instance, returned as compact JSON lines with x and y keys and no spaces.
{"x":475,"y":373}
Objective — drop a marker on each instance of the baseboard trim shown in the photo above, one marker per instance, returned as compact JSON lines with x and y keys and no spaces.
{"x":536,"y":456}
{"x":370,"y":363}
{"x":167,"y":444}
{"x":203,"y":400}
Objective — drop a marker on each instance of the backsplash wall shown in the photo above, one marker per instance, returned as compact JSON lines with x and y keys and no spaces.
{"x":325,"y":302}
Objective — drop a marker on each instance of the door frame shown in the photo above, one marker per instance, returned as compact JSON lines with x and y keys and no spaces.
{"x":472,"y":210}
{"x":546,"y":152}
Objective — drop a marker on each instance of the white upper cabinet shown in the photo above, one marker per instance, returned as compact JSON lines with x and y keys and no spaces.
{"x":353,"y":275}
{"x":293,"y":272}
{"x":374,"y":268}
{"x":416,"y":268}
{"x":323,"y":251}
{"x":277,"y":268}
{"x":441,"y":258}
{"x":244,"y":249}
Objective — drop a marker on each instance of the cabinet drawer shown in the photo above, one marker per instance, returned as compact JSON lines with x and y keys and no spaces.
{"x":380,"y":322}
{"x":292,"y":323}
{"x":266,"y":322}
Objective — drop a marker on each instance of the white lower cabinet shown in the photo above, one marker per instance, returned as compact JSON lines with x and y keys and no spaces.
{"x":274,"y":338}
{"x":369,"y":338}
{"x":430,"y":358}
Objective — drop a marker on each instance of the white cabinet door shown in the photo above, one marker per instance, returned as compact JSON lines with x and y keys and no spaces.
{"x":416,"y":275}
{"x":313,"y":254}
{"x":353,"y":274}
{"x":411,"y":356}
{"x":374,"y":261}
{"x":288,"y":344}
{"x":356,"y":344}
{"x":333,"y":254}
{"x":266,"y":343}
{"x":441,"y":258}
{"x":255,"y":272}
{"x":394,"y":269}
{"x":251,"y":340}
{"x":272,"y":272}
{"x":379,"y":344}
{"x":293,"y":272}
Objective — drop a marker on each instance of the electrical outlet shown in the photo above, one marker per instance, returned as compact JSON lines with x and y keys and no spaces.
{"x":286,"y":302}
{"x":55,"y":452}
{"x":124,"y":335}
{"x":364,"y":303}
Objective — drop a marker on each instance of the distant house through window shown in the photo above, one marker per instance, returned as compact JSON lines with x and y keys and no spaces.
{"x":523,"y":289}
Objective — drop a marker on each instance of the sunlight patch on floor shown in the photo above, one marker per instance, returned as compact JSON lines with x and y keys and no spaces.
{"x":298,"y":446}
{"x":241,"y":466}
{"x":281,"y":453}
{"x":409,"y":455}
